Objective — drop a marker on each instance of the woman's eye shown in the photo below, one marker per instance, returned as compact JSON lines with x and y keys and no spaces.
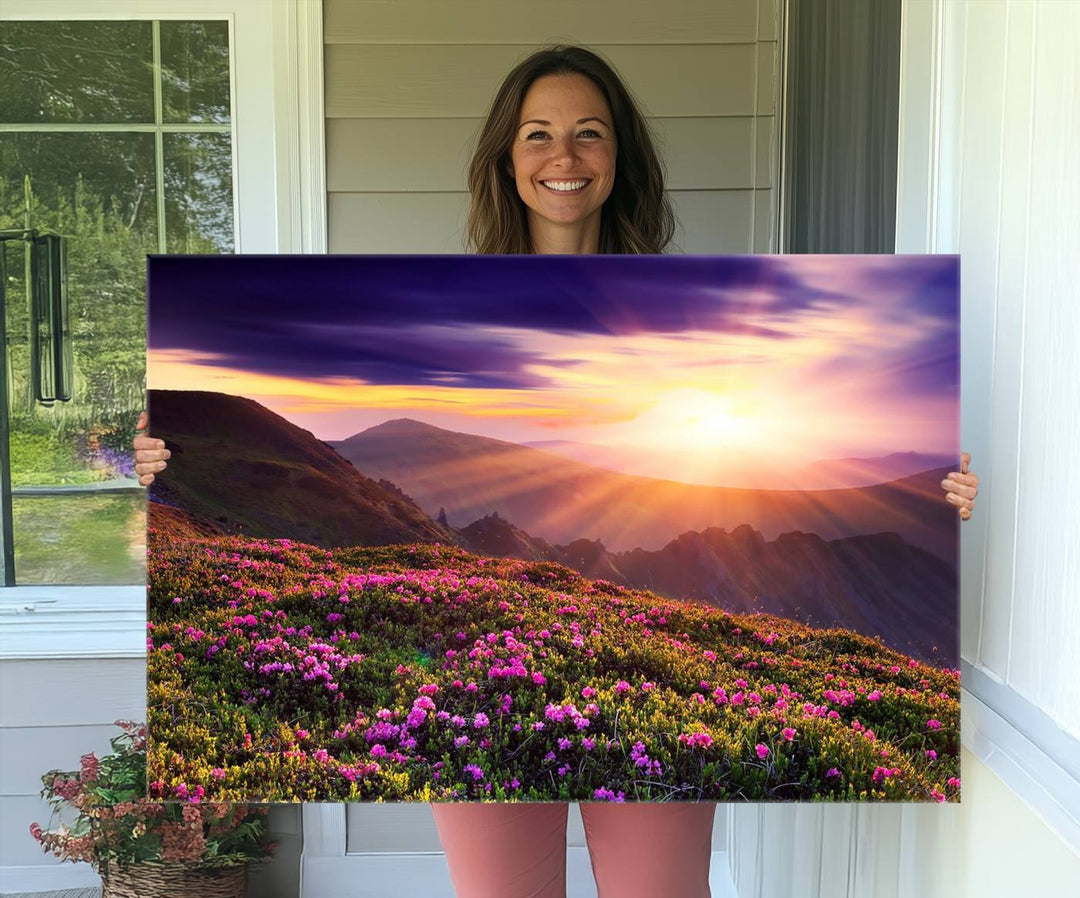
{"x":536,"y":135}
{"x":589,"y":132}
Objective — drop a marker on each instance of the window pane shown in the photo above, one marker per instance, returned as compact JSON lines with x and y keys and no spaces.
{"x":98,"y":191}
{"x":81,"y":540}
{"x":198,"y":193}
{"x":195,"y":71}
{"x":76,"y":72}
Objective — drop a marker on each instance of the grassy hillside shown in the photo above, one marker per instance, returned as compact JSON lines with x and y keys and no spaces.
{"x":279,"y":671}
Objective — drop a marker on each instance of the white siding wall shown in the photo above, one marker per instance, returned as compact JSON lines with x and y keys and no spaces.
{"x":53,"y":712}
{"x":990,"y":138}
{"x":408,"y":82}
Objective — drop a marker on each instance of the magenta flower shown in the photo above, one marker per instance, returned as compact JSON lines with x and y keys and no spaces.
{"x":788,"y":733}
{"x":933,"y":724}
{"x":622,"y":686}
{"x":832,"y":771}
{"x":762,"y":750}
{"x":931,"y":754}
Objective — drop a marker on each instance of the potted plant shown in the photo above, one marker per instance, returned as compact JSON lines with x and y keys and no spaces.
{"x":142,"y":847}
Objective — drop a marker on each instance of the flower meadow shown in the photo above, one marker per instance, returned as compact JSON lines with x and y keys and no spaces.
{"x":278,"y":671}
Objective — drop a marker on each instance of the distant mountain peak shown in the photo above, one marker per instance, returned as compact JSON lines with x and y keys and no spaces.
{"x":400,"y":425}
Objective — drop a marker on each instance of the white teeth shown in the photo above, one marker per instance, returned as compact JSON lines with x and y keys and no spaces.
{"x":564,"y":185}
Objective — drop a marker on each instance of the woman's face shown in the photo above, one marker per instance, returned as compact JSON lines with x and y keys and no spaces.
{"x":563,"y":154}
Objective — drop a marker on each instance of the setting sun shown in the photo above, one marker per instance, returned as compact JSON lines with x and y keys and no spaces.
{"x":692,"y":416}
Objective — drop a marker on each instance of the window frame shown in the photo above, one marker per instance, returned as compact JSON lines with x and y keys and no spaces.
{"x":279,"y":206}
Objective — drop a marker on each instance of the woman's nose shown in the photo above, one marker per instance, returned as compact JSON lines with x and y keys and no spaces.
{"x":564,"y":151}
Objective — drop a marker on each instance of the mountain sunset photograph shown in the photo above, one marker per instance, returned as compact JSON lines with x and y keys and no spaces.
{"x":450,"y":528}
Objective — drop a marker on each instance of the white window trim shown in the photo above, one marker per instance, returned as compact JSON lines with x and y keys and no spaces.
{"x":280,"y":204}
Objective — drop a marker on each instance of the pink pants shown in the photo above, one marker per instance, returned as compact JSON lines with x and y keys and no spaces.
{"x":518,"y":850}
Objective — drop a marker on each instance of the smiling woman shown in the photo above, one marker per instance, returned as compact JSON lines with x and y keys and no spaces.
{"x":563,"y":160}
{"x":560,"y":118}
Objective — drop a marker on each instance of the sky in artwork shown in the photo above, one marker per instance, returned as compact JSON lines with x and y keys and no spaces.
{"x":731,"y":362}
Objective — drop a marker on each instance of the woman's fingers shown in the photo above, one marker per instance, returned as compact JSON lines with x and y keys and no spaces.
{"x":959,"y":501}
{"x":968,"y":487}
{"x":151,"y":454}
{"x":961,"y":487}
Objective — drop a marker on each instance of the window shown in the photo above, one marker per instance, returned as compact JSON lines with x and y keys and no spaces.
{"x":117,"y":136}
{"x":280,"y":206}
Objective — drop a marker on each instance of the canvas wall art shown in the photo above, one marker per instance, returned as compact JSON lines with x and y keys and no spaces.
{"x":554,"y":528}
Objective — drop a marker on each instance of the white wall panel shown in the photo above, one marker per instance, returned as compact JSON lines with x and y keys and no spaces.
{"x":982,"y":87}
{"x":1045,"y":633}
{"x":990,"y":138}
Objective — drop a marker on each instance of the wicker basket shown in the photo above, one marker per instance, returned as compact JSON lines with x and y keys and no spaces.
{"x":150,"y":880}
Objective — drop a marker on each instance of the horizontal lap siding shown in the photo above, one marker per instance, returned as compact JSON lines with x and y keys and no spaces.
{"x":717,"y":221}
{"x":53,"y":712}
{"x":380,"y":155}
{"x":460,"y":80}
{"x":526,"y":22}
{"x":408,"y":83}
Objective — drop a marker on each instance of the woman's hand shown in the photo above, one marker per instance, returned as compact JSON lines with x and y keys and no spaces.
{"x":962,"y":487}
{"x":150,"y":454}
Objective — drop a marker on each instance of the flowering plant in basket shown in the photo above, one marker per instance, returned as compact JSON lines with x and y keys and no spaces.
{"x":116,"y":825}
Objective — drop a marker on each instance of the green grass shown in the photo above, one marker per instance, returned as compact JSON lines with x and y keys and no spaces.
{"x":80,"y":539}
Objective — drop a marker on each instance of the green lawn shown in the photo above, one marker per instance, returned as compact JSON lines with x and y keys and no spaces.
{"x":81,"y":539}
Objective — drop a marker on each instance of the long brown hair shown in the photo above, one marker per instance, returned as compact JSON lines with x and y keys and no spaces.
{"x":637,"y":216}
